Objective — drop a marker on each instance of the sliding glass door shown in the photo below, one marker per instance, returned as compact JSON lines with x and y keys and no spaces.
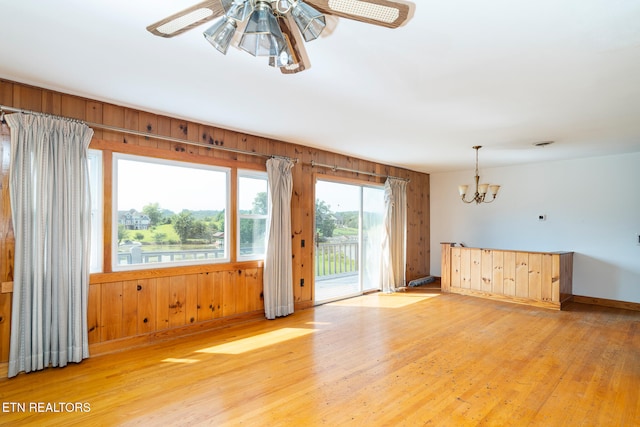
{"x":348,"y":240}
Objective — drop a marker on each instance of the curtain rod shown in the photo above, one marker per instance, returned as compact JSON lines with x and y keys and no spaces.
{"x":4,"y":109}
{"x":338,"y":168}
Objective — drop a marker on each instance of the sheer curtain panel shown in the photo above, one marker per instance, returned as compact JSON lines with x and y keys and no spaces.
{"x":50,"y":206}
{"x":395,"y":230}
{"x":278,"y":279}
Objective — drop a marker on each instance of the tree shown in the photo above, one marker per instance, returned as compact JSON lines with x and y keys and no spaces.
{"x":123,"y":233}
{"x":261,"y":204}
{"x":325,"y":220}
{"x":153,"y":211}
{"x":159,"y":237}
{"x":183,"y":224}
{"x":253,"y":230}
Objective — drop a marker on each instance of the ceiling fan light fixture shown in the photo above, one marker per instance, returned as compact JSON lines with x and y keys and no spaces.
{"x":262,"y":35}
{"x":309,"y":20}
{"x":221,"y":33}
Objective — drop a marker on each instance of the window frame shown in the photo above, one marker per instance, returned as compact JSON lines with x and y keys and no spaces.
{"x":96,"y":188}
{"x":253,"y":174}
{"x":115,"y":267}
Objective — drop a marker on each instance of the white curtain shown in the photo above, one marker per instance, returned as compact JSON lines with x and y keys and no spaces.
{"x":278,"y":279}
{"x":394,"y":239}
{"x":50,"y":205}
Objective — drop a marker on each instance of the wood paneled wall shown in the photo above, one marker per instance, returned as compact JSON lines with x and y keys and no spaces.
{"x":118,"y":308}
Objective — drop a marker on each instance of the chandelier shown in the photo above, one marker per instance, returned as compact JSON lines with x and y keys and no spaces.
{"x":267,"y":29}
{"x":481,"y":189}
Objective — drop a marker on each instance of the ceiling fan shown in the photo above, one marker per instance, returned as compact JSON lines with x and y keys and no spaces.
{"x":267,"y":27}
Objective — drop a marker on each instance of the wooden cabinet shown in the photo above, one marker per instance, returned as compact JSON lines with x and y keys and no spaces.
{"x":543,"y":279}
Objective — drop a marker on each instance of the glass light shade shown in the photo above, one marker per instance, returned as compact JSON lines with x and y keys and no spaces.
{"x":482,"y":188}
{"x":463,"y":189}
{"x":309,"y":21}
{"x":281,"y":60}
{"x":262,"y":35}
{"x":220,"y":34}
{"x":239,"y":10}
{"x":494,"y":189}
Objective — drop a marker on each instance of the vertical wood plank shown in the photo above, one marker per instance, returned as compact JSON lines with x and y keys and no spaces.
{"x":94,"y":304}
{"x":129,"y":308}
{"x":93,"y":114}
{"x":28,"y":98}
{"x":216,"y":297}
{"x":5,"y":324}
{"x":465,"y":268}
{"x":164,"y":129}
{"x":73,"y":107}
{"x":546,"y":292}
{"x":486,"y":270}
{"x":112,"y":116}
{"x":242,"y":294}
{"x":147,"y":123}
{"x":177,"y":301}
{"x":229,"y":290}
{"x":163,"y":290}
{"x":131,"y":121}
{"x":555,"y":278}
{"x":51,"y":103}
{"x":497,"y":278}
{"x":535,"y":276}
{"x":111,"y":311}
{"x":522,"y":274}
{"x":509,"y":273}
{"x":476,"y":269}
{"x":191,"y":298}
{"x":253,"y":285}
{"x":456,"y":268}
{"x":147,"y":300}
{"x":205,"y":296}
{"x":445,"y":268}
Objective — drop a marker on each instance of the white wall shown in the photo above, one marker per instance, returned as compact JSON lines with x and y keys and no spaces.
{"x":592,"y":207}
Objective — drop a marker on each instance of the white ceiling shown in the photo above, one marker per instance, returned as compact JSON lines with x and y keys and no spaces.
{"x":498,"y":73}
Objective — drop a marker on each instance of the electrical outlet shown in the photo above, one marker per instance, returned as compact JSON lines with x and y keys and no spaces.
{"x":542,"y":217}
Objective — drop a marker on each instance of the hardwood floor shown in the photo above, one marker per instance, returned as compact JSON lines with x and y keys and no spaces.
{"x":413,"y":358}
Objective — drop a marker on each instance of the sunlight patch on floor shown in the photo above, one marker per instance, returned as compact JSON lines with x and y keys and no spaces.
{"x":381,"y":300}
{"x":174,"y":360}
{"x":258,"y":341}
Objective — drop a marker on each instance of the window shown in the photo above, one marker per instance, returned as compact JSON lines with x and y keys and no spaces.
{"x":253,"y":210}
{"x":168,"y":213}
{"x":94,"y":161}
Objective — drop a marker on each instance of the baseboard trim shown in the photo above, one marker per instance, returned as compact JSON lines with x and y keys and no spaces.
{"x":607,"y":302}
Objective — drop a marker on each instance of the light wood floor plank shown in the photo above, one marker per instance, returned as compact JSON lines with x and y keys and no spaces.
{"x":414,"y":358}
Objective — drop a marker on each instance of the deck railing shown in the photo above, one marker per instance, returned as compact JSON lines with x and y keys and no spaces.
{"x":137,"y":256}
{"x":333,"y":259}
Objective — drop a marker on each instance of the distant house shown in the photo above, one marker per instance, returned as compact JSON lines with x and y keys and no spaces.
{"x":133,"y":220}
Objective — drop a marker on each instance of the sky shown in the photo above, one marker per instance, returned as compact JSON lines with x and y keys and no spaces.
{"x":175,"y":186}
{"x":346,"y":198}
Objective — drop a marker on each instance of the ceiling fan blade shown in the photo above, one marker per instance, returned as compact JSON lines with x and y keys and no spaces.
{"x":296,"y":47}
{"x":387,"y":13}
{"x":187,"y":19}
